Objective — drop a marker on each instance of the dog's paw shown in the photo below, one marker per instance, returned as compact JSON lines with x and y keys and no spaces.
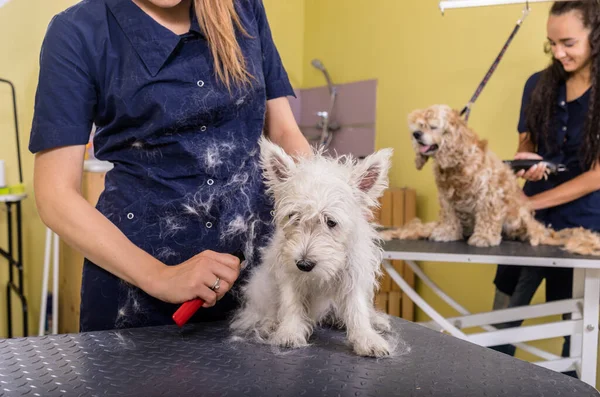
{"x":371,"y":345}
{"x":445,"y":234}
{"x":380,"y":322}
{"x":289,"y":339}
{"x":481,"y":240}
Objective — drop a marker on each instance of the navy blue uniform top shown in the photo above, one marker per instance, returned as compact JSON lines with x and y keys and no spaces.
{"x":568,"y":129}
{"x":186,"y":176}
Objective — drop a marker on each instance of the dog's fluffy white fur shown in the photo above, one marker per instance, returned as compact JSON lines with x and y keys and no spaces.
{"x":480,"y":198}
{"x":323,"y":261}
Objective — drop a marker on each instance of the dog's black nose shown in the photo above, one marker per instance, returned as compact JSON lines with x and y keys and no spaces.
{"x":417,"y":134}
{"x":305,"y":266}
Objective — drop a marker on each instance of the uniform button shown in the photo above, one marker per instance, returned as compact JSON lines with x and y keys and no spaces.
{"x":272,"y":213}
{"x":562,"y":103}
{"x":130,"y":215}
{"x":203,"y":128}
{"x":200,"y":83}
{"x":208,"y":225}
{"x":564,"y":128}
{"x":210,"y":182}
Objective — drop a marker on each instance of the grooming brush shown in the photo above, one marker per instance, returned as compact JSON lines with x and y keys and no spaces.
{"x":187,"y":309}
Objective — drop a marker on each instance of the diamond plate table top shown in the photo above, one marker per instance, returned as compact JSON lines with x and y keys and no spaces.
{"x":541,"y":255}
{"x":202,"y":360}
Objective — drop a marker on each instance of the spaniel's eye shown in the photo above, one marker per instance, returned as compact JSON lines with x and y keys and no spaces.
{"x":433,"y":127}
{"x":331,"y":223}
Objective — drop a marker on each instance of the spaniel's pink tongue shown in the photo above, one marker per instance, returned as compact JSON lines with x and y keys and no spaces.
{"x":424,"y":149}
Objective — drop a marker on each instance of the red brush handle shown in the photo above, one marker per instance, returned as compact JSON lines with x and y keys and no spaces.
{"x":187,"y":310}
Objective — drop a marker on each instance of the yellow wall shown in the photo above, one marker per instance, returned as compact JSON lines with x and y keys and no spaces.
{"x":420,"y":58}
{"x":19,"y":47}
{"x":287,"y":25}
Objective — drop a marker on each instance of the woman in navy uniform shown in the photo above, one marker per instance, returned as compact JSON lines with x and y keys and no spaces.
{"x":560,"y":123}
{"x":180,"y":92}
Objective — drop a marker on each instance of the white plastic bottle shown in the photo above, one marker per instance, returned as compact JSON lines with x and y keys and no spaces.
{"x":2,"y":175}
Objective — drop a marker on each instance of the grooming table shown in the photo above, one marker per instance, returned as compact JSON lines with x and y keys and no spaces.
{"x":201,"y":360}
{"x":583,"y":326}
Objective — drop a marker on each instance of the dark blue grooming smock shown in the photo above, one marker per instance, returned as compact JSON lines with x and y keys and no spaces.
{"x":185,"y":151}
{"x":568,"y":130}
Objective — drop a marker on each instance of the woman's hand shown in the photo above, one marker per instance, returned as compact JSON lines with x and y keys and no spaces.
{"x":194,"y":278}
{"x":536,"y":172}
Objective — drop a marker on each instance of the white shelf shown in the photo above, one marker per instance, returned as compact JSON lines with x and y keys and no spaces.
{"x":12,"y":198}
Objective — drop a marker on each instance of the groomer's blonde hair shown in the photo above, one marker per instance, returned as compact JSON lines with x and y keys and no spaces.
{"x":219,"y":21}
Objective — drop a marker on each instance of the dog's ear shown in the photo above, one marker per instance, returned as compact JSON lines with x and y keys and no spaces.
{"x":415,"y":122}
{"x":370,"y":176}
{"x":451,"y":117}
{"x":420,"y":161}
{"x":276,"y":163}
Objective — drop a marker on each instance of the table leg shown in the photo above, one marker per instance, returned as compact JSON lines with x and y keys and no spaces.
{"x":589,"y":346}
{"x":20,"y":269}
{"x":576,"y":339}
{"x":420,"y":302}
{"x":10,"y":269}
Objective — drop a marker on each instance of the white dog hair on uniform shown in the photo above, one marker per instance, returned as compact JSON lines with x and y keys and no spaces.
{"x":323,"y":261}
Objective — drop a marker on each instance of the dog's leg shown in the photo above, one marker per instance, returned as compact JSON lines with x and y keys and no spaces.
{"x":488,"y":225}
{"x":380,"y":321}
{"x":413,"y":230}
{"x":365,"y":340}
{"x":259,"y":312}
{"x":294,"y":327}
{"x":320,"y":310}
{"x":449,"y":227}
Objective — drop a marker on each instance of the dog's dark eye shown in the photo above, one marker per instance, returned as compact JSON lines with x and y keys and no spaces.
{"x":331,"y":223}
{"x":433,"y":127}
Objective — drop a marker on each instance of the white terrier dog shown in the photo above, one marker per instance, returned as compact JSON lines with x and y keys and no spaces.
{"x":323,"y":261}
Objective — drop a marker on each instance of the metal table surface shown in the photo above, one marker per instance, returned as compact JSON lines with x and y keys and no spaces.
{"x":201,"y":360}
{"x":508,"y":252}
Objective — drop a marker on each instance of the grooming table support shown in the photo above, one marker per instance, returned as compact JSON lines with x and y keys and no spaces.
{"x":496,"y":337}
{"x":15,"y":262}
{"x":589,"y":345}
{"x":466,"y":111}
{"x":584,"y":306}
{"x":463,"y":311}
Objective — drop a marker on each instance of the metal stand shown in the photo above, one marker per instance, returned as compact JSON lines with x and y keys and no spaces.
{"x":52,"y":247}
{"x":15,"y":262}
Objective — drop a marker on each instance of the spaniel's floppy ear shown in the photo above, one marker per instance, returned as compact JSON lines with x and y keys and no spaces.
{"x":420,"y":160}
{"x":450,"y":116}
{"x":415,"y":122}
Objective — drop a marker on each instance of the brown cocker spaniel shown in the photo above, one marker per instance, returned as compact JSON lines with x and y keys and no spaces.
{"x":480,"y":198}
